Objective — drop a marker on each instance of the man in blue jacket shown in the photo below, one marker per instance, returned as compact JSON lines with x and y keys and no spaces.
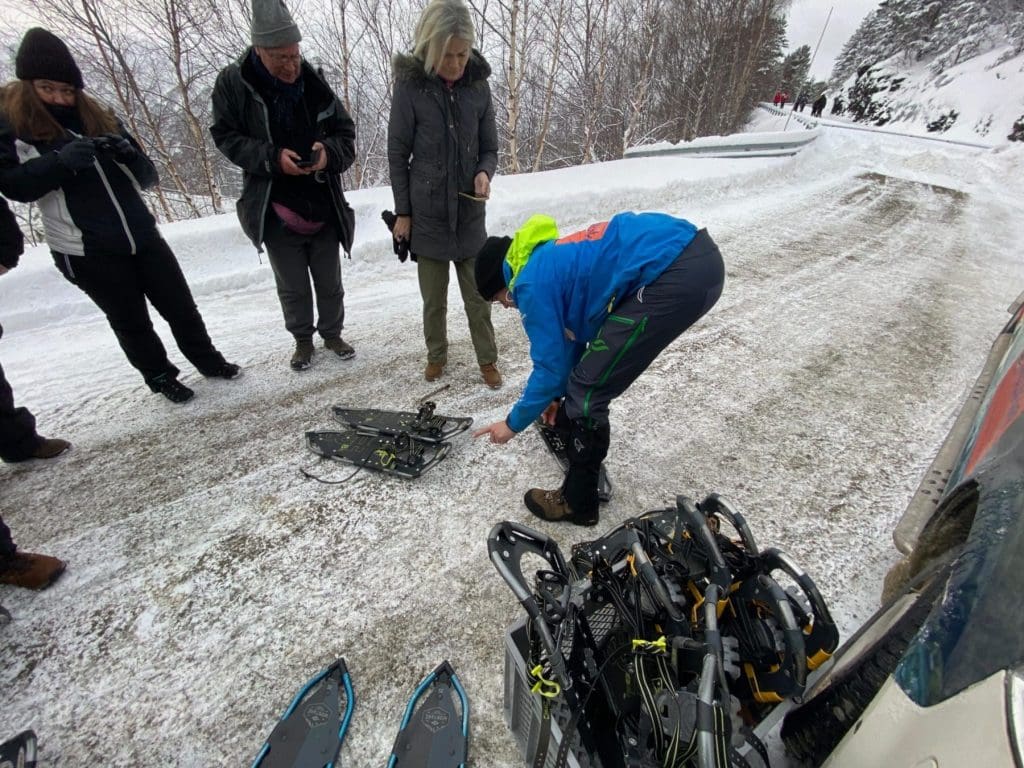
{"x":598,"y":307}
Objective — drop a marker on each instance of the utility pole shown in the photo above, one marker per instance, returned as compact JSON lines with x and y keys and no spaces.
{"x":816,"y":47}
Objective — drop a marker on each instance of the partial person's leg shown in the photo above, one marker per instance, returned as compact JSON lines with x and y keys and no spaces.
{"x":433,"y":279}
{"x":165,"y":286}
{"x":325,"y":267}
{"x":288,"y":254}
{"x":113,"y":283}
{"x":478,"y":313}
{"x":18,"y":438}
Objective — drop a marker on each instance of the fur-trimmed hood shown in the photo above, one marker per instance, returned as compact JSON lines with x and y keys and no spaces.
{"x":408,"y":68}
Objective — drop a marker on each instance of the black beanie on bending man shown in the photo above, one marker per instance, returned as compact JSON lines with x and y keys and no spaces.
{"x":44,"y":56}
{"x":490,"y":266}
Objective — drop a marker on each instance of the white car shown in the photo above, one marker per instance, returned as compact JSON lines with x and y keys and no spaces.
{"x":936,"y":677}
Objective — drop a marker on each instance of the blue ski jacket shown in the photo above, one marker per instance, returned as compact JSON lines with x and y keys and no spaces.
{"x":565,"y":289}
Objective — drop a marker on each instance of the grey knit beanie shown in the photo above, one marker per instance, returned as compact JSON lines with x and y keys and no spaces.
{"x":272,"y":25}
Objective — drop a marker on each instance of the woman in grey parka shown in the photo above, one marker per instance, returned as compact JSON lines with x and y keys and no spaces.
{"x":443,"y":151}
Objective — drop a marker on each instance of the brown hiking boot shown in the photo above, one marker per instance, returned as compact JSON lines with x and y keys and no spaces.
{"x":552,"y":506}
{"x":433,"y":371}
{"x":50,"y":448}
{"x":492,"y":376}
{"x":31,"y":571}
{"x":302,"y":357}
{"x":340,"y":347}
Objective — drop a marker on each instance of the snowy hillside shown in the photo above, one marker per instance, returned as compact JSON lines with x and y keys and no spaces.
{"x":980,"y":99}
{"x":866,"y":279}
{"x":952,"y":68}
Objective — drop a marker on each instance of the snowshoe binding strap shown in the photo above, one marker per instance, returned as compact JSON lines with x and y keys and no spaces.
{"x":312,"y":729}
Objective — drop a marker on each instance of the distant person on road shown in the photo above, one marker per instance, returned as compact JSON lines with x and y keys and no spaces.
{"x":801,"y":101}
{"x":777,"y":98}
{"x":783,"y":98}
{"x":818,"y":105}
{"x":442,"y":152}
{"x":276,"y":118}
{"x":598,"y":307}
{"x":19,"y":440}
{"x":70,"y":154}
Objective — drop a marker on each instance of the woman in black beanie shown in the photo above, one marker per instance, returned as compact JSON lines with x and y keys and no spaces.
{"x":70,"y":154}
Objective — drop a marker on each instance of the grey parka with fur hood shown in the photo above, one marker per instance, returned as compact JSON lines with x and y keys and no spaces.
{"x":438,"y":140}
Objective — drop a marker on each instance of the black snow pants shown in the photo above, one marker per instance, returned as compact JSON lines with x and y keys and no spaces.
{"x":18,"y":438}
{"x":120,"y":286}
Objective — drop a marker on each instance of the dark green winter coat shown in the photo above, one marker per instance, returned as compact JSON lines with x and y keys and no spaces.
{"x":438,"y":140}
{"x":241,"y":131}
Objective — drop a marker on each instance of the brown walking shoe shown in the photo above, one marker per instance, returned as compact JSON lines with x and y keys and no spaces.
{"x":552,"y":506}
{"x":433,"y":371}
{"x":50,"y":448}
{"x":492,"y":376}
{"x":31,"y":571}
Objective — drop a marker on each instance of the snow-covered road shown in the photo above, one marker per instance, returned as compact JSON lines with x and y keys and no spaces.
{"x":207,"y":579}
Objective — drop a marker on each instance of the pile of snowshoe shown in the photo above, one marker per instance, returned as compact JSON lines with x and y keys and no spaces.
{"x":403,"y":443}
{"x":663,"y":643}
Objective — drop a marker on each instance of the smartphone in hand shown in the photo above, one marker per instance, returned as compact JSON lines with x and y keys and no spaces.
{"x":313,"y":160}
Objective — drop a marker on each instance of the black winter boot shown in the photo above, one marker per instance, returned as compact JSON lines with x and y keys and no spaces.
{"x":586,"y":447}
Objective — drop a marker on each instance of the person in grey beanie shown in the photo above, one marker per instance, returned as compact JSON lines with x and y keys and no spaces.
{"x":276,"y":118}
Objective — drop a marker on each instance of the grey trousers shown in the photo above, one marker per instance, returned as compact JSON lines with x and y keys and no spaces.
{"x":433,"y":277}
{"x":294,"y":258}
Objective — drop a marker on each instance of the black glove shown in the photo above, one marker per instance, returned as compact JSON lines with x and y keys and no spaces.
{"x":401,"y":247}
{"x":122,"y":149}
{"x":77,"y":155}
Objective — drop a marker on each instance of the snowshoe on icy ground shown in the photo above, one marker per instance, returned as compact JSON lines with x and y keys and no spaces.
{"x":400,"y":454}
{"x":311,"y":731}
{"x":435,"y":729}
{"x":555,"y":439}
{"x":19,"y":752}
{"x":424,"y":424}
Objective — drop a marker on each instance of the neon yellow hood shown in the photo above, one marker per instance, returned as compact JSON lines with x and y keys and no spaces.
{"x":538,"y":229}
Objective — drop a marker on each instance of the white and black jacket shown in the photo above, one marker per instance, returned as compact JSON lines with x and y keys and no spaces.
{"x":94,"y":211}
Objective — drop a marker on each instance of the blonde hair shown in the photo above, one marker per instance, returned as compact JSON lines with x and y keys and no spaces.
{"x":30,"y":119}
{"x":440,"y":22}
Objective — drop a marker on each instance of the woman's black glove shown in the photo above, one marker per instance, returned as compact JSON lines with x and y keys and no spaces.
{"x":123,"y":150}
{"x":77,"y":155}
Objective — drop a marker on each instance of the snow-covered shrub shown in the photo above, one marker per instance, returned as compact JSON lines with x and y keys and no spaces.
{"x":943,"y":122}
{"x":1017,"y":134}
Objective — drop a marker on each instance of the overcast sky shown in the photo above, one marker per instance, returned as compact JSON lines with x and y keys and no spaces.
{"x":807,"y":18}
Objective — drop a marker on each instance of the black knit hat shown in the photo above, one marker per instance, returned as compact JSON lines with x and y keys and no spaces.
{"x":43,"y":56}
{"x":490,"y":266}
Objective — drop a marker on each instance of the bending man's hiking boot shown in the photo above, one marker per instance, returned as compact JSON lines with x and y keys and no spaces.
{"x":552,"y":506}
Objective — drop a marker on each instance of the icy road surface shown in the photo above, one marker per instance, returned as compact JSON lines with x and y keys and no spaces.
{"x":208,"y":579}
